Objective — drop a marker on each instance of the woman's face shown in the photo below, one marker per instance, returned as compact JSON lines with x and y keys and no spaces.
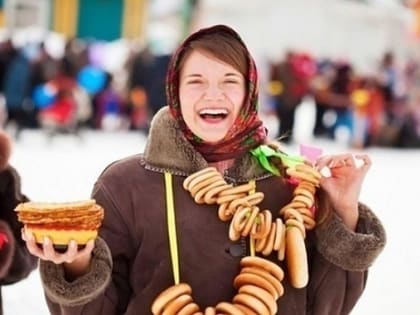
{"x":211,"y":94}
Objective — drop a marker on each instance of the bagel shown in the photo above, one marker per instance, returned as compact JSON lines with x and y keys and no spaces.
{"x":175,"y":305}
{"x":209,"y":311}
{"x":168,"y":295}
{"x":265,"y":264}
{"x":296,"y":257}
{"x":189,"y":309}
{"x":269,"y":277}
{"x":245,"y":309}
{"x":261,"y":294}
{"x":188,"y":180}
{"x":245,"y":278}
{"x":228,"y":308}
{"x":308,"y":169}
{"x":252,"y":302}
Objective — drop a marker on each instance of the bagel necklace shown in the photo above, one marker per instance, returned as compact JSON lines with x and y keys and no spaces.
{"x":258,"y":283}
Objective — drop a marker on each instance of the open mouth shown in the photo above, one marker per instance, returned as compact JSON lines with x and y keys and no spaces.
{"x":213,"y":114}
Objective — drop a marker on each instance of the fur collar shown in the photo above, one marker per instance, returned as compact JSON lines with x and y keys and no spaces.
{"x":168,"y":150}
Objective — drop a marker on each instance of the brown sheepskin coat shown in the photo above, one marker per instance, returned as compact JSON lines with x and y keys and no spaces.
{"x":135,"y":235}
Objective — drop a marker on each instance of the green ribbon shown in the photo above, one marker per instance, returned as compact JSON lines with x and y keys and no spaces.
{"x":263,"y":152}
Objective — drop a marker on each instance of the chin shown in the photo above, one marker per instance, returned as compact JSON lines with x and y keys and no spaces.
{"x":213,"y":139}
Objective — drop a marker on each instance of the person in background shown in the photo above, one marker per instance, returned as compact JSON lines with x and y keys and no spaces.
{"x":211,"y":121}
{"x":15,"y":260}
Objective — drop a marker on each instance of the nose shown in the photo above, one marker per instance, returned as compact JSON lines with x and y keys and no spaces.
{"x":213,"y":92}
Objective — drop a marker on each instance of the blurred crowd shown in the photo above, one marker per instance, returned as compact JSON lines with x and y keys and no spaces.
{"x":73,"y":91}
{"x":379,"y":109}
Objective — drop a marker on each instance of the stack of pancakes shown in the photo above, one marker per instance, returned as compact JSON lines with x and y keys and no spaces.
{"x":61,"y":222}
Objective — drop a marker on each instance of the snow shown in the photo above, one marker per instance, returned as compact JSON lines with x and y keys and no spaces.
{"x":65,"y":168}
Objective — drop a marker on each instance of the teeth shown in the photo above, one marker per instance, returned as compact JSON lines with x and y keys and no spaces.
{"x":213,"y":111}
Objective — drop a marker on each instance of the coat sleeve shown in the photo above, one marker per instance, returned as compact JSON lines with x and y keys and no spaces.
{"x":340,"y":263}
{"x":105,"y":288}
{"x":18,"y":262}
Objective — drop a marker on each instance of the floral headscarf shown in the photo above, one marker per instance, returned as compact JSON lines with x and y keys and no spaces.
{"x":246,"y":133}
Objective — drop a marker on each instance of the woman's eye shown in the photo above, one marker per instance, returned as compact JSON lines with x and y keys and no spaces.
{"x":193,"y":82}
{"x":231,"y":82}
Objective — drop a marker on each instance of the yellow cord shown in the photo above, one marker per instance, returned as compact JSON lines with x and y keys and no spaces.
{"x":170,"y":211}
{"x":251,"y":241}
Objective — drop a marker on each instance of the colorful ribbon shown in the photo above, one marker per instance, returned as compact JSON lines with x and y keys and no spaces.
{"x":263,"y":152}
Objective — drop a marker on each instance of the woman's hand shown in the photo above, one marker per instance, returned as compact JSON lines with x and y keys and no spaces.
{"x":344,"y":184}
{"x":76,"y":262}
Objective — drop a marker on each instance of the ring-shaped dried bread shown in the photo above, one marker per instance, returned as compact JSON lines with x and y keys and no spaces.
{"x":292,"y":213}
{"x":252,"y":302}
{"x":308,"y":169}
{"x":308,"y":202}
{"x":245,"y":278}
{"x":302,"y":176}
{"x":281,"y":252}
{"x":175,"y":305}
{"x":299,"y":190}
{"x":269,"y":245}
{"x":251,"y":221}
{"x":268,"y":276}
{"x":265,"y":264}
{"x":240,"y":189}
{"x":261,"y":294}
{"x":202,"y":182}
{"x":293,"y":205}
{"x":307,"y":186}
{"x":296,"y":258}
{"x":211,"y":196}
{"x":278,"y":234}
{"x":261,"y":243}
{"x":234,"y":235}
{"x":298,"y":224}
{"x":228,"y":308}
{"x":168,"y":295}
{"x":229,"y":198}
{"x":189,"y":309}
{"x":199,"y":197}
{"x":256,"y":228}
{"x":245,"y":309}
{"x":188,"y":180}
{"x":224,"y":212}
{"x":210,"y":311}
{"x":240,"y":218}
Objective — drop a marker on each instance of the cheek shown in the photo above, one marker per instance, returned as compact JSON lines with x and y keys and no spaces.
{"x":188,"y":97}
{"x":237,"y":100}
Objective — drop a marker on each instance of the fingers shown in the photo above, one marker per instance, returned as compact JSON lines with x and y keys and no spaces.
{"x":367,"y":162}
{"x":344,"y":160}
{"x":31,"y":245}
{"x":47,"y":251}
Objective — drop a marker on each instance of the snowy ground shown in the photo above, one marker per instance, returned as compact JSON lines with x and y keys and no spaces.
{"x":66,"y":168}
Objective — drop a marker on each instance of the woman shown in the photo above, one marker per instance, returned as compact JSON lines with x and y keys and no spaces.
{"x":211,"y":120}
{"x":15,"y":261}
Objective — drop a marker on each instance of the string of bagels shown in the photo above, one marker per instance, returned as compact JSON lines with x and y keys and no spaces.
{"x":258,"y":284}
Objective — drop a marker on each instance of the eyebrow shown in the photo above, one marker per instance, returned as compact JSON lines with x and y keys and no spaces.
{"x":232,"y":74}
{"x":197,"y":75}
